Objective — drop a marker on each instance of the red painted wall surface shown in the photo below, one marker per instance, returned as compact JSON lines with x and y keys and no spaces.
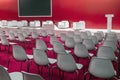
{"x":91,"y":11}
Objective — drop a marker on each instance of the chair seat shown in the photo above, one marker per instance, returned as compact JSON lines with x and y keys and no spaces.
{"x":27,"y":39}
{"x":79,"y":66}
{"x":5,"y":68}
{"x":16,"y":76}
{"x":52,"y":61}
{"x":12,"y":43}
{"x":30,"y":56}
{"x":91,"y":54}
{"x":67,"y":51}
{"x":50,"y":48}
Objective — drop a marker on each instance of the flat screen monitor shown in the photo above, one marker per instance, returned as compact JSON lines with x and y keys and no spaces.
{"x":35,"y":8}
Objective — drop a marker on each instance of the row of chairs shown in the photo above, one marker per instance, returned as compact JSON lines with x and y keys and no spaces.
{"x":64,"y":51}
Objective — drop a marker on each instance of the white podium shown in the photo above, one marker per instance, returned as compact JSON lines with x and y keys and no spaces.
{"x":109,"y":21}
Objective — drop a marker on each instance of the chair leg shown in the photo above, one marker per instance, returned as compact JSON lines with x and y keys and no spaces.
{"x":41,"y":69}
{"x":28,"y":65}
{"x":62,"y":75}
{"x":8,"y":49}
{"x":49,"y":76}
{"x":52,"y":71}
{"x":38,"y":70}
{"x":8,"y":63}
{"x":20,"y":66}
{"x":77,"y":75}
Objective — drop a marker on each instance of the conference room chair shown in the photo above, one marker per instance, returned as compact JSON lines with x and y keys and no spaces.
{"x":99,"y":36}
{"x":69,"y":42}
{"x":89,"y":44}
{"x":41,"y":59}
{"x":95,"y":40}
{"x":66,"y":63}
{"x":20,"y":55}
{"x":84,"y":35}
{"x":70,"y":34}
{"x":4,"y":75}
{"x":63,"y":36}
{"x":77,"y":38}
{"x":100,"y":68}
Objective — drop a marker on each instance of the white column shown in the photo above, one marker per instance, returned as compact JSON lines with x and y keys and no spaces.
{"x":109,"y":21}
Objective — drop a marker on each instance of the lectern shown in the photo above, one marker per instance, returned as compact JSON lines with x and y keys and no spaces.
{"x":109,"y":21}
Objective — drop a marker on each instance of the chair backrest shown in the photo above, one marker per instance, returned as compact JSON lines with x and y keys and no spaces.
{"x":63,"y":36}
{"x":111,"y":38}
{"x":21,"y":37}
{"x":19,"y":53}
{"x":30,"y":76}
{"x":99,"y":36}
{"x":25,"y":34}
{"x":89,"y":33}
{"x":12,"y":36}
{"x":110,"y":44}
{"x":4,"y":41}
{"x":52,"y":39}
{"x":35,"y":35}
{"x":69,"y":42}
{"x":40,"y":44}
{"x":43,"y":33}
{"x":106,"y":53}
{"x":89,"y":44}
{"x":84,"y":35}
{"x":94,"y":39}
{"x":81,"y":51}
{"x":66,"y":62}
{"x":102,"y":34}
{"x":58,"y":47}
{"x":50,"y":32}
{"x":101,"y":68}
{"x":4,"y":74}
{"x":77,"y":38}
{"x":70,"y":34}
{"x":40,"y":57}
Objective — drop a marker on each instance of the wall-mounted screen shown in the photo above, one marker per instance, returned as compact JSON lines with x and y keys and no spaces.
{"x":35,"y":8}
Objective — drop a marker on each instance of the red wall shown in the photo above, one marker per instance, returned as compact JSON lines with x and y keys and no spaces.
{"x":92,"y":11}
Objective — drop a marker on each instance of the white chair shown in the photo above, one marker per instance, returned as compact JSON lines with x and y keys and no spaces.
{"x":63,"y":36}
{"x":35,"y":35}
{"x":30,"y":76}
{"x":70,"y":34}
{"x":22,"y":39}
{"x":81,"y":51}
{"x":101,"y":68}
{"x":58,"y":48}
{"x":52,"y":39}
{"x":66,"y":63}
{"x":110,"y":44}
{"x":101,"y":32}
{"x":40,"y":44}
{"x":4,"y":74}
{"x":94,"y":39}
{"x":12,"y":37}
{"x":69,"y":42}
{"x":44,"y":33}
{"x":5,"y":43}
{"x":89,"y":33}
{"x":84,"y":35}
{"x":20,"y":55}
{"x":99,"y":36}
{"x":41,"y":59}
{"x":77,"y":39}
{"x":89,"y":44}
